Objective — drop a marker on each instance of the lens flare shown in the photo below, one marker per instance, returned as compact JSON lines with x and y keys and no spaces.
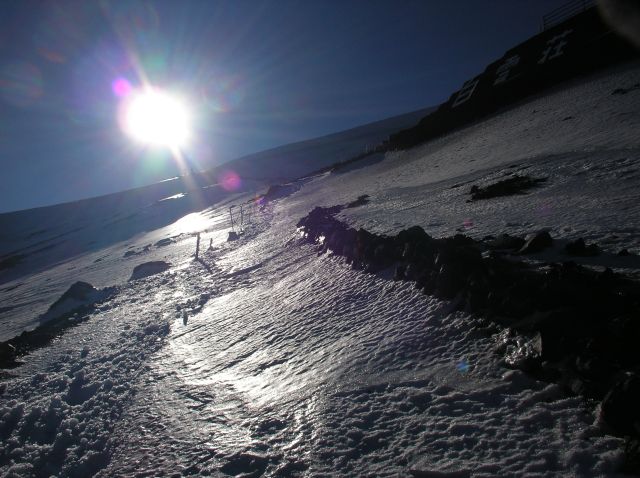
{"x":157,"y":118}
{"x":463,"y":366}
{"x":230,"y":181}
{"x":121,"y":87}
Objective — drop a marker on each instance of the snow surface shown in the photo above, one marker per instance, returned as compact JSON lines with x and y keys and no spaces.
{"x":266,"y":358}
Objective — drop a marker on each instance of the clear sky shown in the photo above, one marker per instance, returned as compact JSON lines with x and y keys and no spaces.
{"x":257,"y":73}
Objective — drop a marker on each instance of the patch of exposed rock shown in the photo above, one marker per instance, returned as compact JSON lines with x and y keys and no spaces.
{"x":147,"y":269}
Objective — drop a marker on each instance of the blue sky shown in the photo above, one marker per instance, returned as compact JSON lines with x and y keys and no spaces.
{"x":258,"y":74}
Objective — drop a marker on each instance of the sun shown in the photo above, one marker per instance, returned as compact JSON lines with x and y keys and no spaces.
{"x":157,"y":118}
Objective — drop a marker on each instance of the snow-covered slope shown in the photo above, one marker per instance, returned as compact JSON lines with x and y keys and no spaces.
{"x":297,"y":159}
{"x":34,"y":241}
{"x":265,"y":358}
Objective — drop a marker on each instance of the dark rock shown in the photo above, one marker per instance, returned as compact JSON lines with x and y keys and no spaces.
{"x":578,"y":386}
{"x":606,"y":277}
{"x":246,"y":464}
{"x":414,"y":235}
{"x":631,"y":463}
{"x":78,"y":291}
{"x":620,"y":408}
{"x":522,"y":353}
{"x":624,"y":252}
{"x":429,"y":282}
{"x":361,"y":201}
{"x":447,"y":283}
{"x":506,"y":187}
{"x":383,"y":254}
{"x":279,"y":191}
{"x":148,"y":269}
{"x":233,"y":236}
{"x":527,"y":356}
{"x":476,"y":299}
{"x":399,"y":273}
{"x":505,"y":241}
{"x":579,"y":248}
{"x":462,"y":240}
{"x":163,"y":242}
{"x":624,"y":91}
{"x":554,"y":339}
{"x":412,"y":271}
{"x":80,"y":296}
{"x":408,"y":251}
{"x":7,"y":353}
{"x":536,"y":242}
{"x":129,"y":253}
{"x":593,"y":367}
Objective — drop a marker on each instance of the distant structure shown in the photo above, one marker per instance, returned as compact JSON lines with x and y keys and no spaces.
{"x":564,"y":12}
{"x":575,"y":40}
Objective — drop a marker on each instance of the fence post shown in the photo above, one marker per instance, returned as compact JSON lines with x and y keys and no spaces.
{"x":197,"y":245}
{"x":231,"y":214}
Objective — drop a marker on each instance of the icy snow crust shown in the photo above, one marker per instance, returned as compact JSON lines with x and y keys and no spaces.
{"x":265,"y":358}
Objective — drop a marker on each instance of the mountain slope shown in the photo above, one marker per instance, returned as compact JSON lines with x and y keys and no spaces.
{"x":267,"y":357}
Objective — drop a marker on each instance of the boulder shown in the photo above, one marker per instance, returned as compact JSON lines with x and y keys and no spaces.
{"x":79,"y":290}
{"x":505,"y":241}
{"x":413,"y":235}
{"x":519,"y":351}
{"x":620,"y":408}
{"x":536,"y":242}
{"x":361,"y":201}
{"x":147,"y":269}
{"x":164,"y":242}
{"x":7,"y":353}
{"x":581,"y":249}
{"x":631,"y":464}
{"x":233,"y":236}
{"x":506,"y":187}
{"x":79,"y":296}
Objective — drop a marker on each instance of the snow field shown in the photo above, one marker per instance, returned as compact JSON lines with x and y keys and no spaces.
{"x":296,"y":374}
{"x":58,"y":414}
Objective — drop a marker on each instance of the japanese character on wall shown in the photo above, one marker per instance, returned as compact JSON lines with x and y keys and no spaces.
{"x":466,"y":91}
{"x":555,"y":47}
{"x":503,"y":71}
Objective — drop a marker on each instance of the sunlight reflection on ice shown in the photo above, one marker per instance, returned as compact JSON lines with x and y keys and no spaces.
{"x":175,"y":196}
{"x":201,"y":363}
{"x":190,"y":224}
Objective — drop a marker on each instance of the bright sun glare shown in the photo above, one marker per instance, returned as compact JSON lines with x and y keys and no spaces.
{"x":157,"y":118}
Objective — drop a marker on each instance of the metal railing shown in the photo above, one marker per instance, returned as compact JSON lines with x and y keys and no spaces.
{"x":566,"y":11}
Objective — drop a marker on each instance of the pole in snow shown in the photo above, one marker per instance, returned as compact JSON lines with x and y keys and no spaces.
{"x":231,"y":214}
{"x":197,"y":245}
